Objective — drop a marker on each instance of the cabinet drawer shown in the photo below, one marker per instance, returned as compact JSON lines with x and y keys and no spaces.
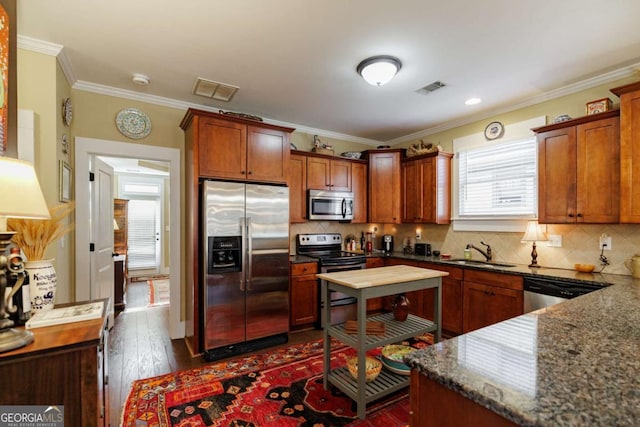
{"x":304,"y":268}
{"x":455,"y":273}
{"x":508,"y":281}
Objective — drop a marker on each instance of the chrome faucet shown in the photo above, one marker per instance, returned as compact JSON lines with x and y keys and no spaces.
{"x":486,"y":254}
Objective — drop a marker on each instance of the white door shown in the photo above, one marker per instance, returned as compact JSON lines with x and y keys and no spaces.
{"x":102,"y":234}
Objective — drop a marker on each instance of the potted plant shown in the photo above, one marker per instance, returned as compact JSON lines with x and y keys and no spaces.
{"x":33,"y":236}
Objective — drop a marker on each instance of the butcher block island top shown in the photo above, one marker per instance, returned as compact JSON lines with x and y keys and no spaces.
{"x":366,"y":278}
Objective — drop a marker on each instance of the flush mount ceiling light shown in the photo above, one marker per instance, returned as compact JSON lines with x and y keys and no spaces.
{"x":473,"y":101}
{"x":379,"y":70}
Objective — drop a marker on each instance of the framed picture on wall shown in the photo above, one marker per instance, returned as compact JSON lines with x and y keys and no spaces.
{"x":65,"y":182}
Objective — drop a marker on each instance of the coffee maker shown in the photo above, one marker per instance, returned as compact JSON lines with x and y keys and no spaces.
{"x":387,"y":244}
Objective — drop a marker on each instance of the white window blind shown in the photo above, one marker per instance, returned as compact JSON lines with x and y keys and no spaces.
{"x":141,"y":242}
{"x":498,"y":180}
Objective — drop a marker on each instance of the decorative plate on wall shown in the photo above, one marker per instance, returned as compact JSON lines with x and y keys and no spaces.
{"x":494,"y":130}
{"x":67,"y":111}
{"x":133,"y":123}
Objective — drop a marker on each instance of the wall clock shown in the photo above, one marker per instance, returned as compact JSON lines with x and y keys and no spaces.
{"x":133,"y":123}
{"x":494,"y":130}
{"x":67,"y":112}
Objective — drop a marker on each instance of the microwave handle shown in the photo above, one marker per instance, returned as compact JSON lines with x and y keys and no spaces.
{"x":344,"y":208}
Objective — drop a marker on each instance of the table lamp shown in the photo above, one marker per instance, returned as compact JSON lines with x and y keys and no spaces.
{"x":20,"y":197}
{"x":534,"y":234}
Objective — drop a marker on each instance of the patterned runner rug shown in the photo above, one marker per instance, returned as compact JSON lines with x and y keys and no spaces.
{"x":281,"y":387}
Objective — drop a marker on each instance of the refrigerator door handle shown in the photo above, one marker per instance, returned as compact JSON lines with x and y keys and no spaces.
{"x":249,"y":252}
{"x":243,"y":239}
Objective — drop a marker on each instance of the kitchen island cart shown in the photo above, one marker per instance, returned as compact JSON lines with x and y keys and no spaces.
{"x":373,"y":283}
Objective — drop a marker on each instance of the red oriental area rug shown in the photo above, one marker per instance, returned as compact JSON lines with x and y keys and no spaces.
{"x":282,"y":387}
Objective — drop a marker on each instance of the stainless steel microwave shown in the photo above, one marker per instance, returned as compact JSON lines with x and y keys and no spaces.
{"x":330,"y":205}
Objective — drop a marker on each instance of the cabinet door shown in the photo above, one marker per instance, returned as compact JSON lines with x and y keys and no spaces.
{"x":598,"y":158}
{"x":359,"y":188}
{"x":485,"y":305}
{"x":222,"y":149}
{"x":341,"y":175}
{"x":304,"y":300}
{"x":268,"y":152}
{"x":451,"y":298}
{"x":318,"y":173}
{"x":374,"y":304}
{"x":557,"y":176}
{"x":384,"y":188}
{"x":412,"y":192}
{"x":436,"y":191}
{"x":630,"y":156}
{"x":298,"y":189}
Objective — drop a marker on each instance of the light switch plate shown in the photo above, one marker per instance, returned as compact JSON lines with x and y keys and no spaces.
{"x":555,"y":241}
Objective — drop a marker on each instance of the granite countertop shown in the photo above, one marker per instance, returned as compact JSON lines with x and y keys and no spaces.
{"x":571,"y":364}
{"x":517,"y":269}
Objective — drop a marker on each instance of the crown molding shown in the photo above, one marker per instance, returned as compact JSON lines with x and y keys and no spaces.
{"x":601,"y":79}
{"x":57,"y":50}
{"x":181,"y":105}
{"x":51,"y":49}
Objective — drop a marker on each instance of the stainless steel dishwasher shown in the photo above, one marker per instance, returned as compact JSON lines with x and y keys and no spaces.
{"x":543,"y":292}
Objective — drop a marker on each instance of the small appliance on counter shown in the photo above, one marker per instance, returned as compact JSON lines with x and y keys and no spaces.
{"x":387,"y":244}
{"x":423,"y":249}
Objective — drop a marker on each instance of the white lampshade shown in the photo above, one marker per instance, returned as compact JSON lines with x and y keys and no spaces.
{"x":379,"y":70}
{"x":534,"y":232}
{"x":20,"y":193}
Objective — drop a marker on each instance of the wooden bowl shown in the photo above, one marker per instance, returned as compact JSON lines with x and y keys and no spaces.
{"x":374,"y":366}
{"x":584,"y":268}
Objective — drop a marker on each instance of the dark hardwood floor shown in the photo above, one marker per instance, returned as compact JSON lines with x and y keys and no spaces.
{"x":140,"y":347}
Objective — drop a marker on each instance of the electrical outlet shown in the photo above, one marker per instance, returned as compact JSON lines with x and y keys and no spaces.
{"x":555,"y":241}
{"x":605,"y":242}
{"x":418,"y":235}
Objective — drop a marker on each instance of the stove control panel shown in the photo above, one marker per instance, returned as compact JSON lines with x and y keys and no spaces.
{"x":322,"y":239}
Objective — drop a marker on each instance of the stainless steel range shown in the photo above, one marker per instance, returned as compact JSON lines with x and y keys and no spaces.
{"x":327,"y":248}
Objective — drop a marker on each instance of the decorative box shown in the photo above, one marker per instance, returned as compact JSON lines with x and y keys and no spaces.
{"x":598,"y":106}
{"x":319,"y":150}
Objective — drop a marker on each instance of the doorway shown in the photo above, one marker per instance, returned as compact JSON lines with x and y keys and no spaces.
{"x":85,"y":149}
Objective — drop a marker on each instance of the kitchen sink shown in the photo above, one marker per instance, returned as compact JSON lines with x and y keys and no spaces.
{"x":463,"y":261}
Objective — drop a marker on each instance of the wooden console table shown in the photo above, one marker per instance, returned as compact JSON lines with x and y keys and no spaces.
{"x":64,"y":365}
{"x":372,"y":283}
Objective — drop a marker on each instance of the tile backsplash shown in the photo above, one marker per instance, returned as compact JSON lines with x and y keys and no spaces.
{"x":579,"y":242}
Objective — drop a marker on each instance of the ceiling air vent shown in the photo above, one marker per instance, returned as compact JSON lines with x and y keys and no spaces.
{"x":215,"y":90}
{"x":432,"y":87}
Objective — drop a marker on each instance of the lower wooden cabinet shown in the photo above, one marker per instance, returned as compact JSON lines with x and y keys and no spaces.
{"x":489,"y":298}
{"x":451,"y":298}
{"x":303,"y":295}
{"x":375,"y":304}
{"x":433,"y":405}
{"x":64,"y":365}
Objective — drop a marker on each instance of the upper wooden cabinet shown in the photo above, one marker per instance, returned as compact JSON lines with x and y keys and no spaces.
{"x":328,"y":174}
{"x":312,"y":171}
{"x":629,"y":152}
{"x":385,"y":193}
{"x":297,"y":188}
{"x":227,"y":147}
{"x":426,"y":189}
{"x":359,"y":188}
{"x":579,"y":170}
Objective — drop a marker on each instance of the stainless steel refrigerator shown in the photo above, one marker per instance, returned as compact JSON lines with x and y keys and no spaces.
{"x":246,"y":259}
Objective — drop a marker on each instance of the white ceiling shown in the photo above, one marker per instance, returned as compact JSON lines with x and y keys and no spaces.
{"x":295,"y":60}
